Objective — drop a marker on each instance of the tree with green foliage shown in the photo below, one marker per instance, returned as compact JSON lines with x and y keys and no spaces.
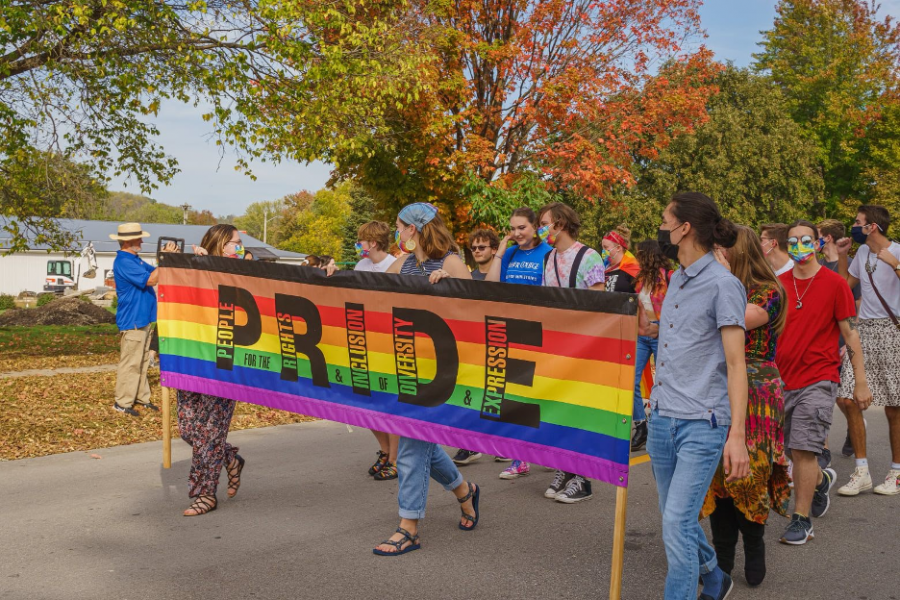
{"x":750,"y":156}
{"x":262,"y":220}
{"x":361,"y":212}
{"x":837,"y":63}
{"x":319,"y":227}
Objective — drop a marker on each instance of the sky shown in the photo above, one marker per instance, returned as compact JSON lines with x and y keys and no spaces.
{"x":208,"y":181}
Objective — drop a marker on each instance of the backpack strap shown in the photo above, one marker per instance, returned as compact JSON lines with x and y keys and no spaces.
{"x":573,"y":275}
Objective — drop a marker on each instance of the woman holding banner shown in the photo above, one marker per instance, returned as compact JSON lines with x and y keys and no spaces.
{"x":570,"y":264}
{"x":421,"y":233}
{"x":701,"y":389}
{"x":203,"y":420}
{"x":742,"y":507}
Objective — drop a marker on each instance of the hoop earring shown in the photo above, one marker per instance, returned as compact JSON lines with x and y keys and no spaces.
{"x":410,"y":245}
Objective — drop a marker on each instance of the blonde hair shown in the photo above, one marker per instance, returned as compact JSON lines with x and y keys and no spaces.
{"x":375,"y":231}
{"x":215,"y":239}
{"x":749,"y":265}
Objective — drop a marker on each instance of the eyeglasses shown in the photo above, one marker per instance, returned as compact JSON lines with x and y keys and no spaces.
{"x":237,"y":243}
{"x":806,"y":240}
{"x":480,"y":248}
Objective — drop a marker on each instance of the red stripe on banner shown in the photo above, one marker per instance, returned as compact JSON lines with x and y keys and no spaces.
{"x":570,"y":345}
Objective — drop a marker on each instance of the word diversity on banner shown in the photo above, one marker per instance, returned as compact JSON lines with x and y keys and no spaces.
{"x":540,"y":374}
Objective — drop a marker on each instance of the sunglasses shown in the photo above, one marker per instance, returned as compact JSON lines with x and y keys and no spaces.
{"x":479,"y":248}
{"x":806,"y":240}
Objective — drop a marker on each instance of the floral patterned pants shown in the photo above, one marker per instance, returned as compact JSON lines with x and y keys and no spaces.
{"x":204,"y":421}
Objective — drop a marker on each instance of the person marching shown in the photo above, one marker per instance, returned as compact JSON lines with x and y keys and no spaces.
{"x":651,"y":285}
{"x":700,"y":389}
{"x":373,"y":243}
{"x":521,"y":263}
{"x":203,"y":419}
{"x":820,"y":310}
{"x":742,"y":507}
{"x":876,"y":271}
{"x":773,"y":237}
{"x":621,"y":266}
{"x":574,"y":265}
{"x":421,"y":234}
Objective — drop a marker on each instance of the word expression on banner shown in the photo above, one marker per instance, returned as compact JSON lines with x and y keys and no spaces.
{"x":540,"y":374}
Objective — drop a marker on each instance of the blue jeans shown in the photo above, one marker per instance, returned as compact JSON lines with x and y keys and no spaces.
{"x":417,"y":461}
{"x":684,"y":455}
{"x":645,"y":347}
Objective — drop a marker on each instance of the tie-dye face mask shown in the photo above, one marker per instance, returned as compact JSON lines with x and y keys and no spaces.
{"x":803,"y":249}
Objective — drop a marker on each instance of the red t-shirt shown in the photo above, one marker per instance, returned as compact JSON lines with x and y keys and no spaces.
{"x":807,"y":351}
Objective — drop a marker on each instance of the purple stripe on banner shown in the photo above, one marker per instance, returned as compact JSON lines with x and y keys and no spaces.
{"x":557,"y":458}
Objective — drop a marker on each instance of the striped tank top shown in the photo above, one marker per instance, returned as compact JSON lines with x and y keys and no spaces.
{"x":412,"y":267}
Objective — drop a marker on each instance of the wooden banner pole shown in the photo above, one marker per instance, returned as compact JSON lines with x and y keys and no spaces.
{"x":618,"y":553}
{"x":167,"y":428}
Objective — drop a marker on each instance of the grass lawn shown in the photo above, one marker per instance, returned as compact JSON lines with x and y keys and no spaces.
{"x":50,"y":346}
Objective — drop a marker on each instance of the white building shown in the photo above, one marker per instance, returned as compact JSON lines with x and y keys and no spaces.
{"x":39,"y":266}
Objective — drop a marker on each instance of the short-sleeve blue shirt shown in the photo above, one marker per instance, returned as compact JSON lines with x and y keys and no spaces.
{"x":524,"y":266}
{"x":137,"y":300}
{"x":691,"y":373}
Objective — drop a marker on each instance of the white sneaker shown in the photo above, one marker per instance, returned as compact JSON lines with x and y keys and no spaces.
{"x":860,"y":481}
{"x":891,"y":485}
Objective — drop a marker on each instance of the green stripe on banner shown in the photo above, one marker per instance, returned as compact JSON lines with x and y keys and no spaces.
{"x":584,"y":418}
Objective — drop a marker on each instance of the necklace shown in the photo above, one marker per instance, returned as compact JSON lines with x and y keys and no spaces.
{"x":800,"y":296}
{"x":870,"y":268}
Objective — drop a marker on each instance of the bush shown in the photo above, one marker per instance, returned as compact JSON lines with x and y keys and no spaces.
{"x":45,"y":298}
{"x":7,"y":302}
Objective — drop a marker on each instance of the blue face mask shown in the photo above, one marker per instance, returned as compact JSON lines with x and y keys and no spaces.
{"x":604,"y":255}
{"x":856,"y":232}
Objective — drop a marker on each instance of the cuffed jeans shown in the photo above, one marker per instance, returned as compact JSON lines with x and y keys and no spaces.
{"x":417,"y":462}
{"x":684,"y":455}
{"x":645,"y":347}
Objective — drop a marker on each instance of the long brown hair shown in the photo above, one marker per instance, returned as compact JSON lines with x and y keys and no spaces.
{"x":435,"y":238}
{"x":654,"y":264}
{"x":215,"y":239}
{"x":749,"y":265}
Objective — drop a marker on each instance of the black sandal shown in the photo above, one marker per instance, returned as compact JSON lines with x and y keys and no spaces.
{"x":234,"y":478}
{"x":201,"y":506}
{"x":387,"y":472}
{"x":407,"y":537}
{"x":475,"y":495}
{"x":379,"y":464}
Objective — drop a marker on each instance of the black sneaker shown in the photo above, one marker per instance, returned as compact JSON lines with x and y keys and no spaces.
{"x":639,"y":439}
{"x":824,"y":459}
{"x":560,"y":479}
{"x":150,"y":406}
{"x":798,"y":532}
{"x":847,"y":450}
{"x":578,"y":489}
{"x":464,"y":457}
{"x":127,"y":411}
{"x":821,"y":499}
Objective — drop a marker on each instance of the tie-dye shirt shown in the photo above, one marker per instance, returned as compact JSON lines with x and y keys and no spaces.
{"x":559,"y":268}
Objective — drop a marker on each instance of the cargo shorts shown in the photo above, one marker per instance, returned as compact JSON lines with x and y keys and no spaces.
{"x":807,"y":416}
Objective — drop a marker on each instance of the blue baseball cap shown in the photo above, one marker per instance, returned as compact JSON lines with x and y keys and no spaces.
{"x":419,"y":214}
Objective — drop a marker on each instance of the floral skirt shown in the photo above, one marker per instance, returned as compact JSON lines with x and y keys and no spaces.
{"x":769,"y":485}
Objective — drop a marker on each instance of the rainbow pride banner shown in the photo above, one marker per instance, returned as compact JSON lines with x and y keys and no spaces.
{"x":544,"y":375}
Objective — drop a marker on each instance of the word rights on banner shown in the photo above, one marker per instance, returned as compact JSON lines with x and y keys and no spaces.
{"x":540,"y":374}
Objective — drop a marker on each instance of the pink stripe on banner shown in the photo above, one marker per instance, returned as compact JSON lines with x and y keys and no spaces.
{"x":557,"y":458}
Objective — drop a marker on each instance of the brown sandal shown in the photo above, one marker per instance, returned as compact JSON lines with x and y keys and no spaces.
{"x":201,"y":506}
{"x":234,"y":476}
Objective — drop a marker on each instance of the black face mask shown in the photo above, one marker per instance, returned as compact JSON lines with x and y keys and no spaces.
{"x":664,"y":238}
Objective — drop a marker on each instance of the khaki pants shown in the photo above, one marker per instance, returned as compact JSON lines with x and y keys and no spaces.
{"x":131,"y":376}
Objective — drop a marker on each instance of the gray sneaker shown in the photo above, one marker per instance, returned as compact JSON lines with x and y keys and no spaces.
{"x":822,"y":499}
{"x":560,"y":479}
{"x":798,"y":532}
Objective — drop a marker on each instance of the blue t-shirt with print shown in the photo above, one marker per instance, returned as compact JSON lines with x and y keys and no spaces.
{"x":524,"y":266}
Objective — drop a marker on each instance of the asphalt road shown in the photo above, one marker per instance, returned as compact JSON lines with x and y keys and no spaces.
{"x":307,"y":516}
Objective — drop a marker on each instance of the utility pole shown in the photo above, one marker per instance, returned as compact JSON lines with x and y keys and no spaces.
{"x":185,"y":208}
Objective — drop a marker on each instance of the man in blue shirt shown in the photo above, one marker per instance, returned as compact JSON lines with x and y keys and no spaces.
{"x":135,"y":316}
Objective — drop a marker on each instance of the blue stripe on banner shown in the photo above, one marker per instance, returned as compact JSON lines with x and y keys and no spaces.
{"x":554,"y":436}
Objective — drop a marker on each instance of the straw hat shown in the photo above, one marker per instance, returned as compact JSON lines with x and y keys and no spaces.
{"x":129,"y":231}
